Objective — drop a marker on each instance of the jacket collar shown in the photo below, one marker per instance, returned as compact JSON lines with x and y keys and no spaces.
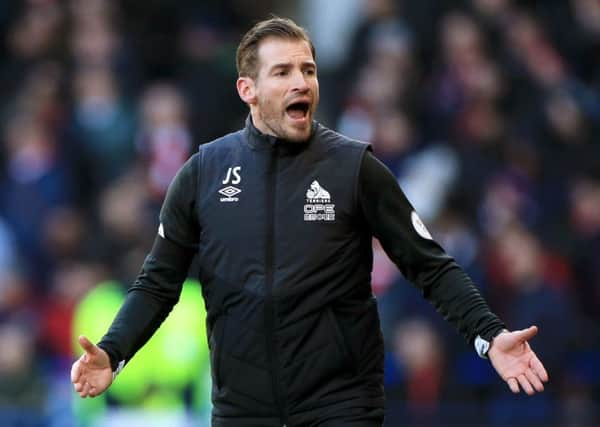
{"x":260,"y":141}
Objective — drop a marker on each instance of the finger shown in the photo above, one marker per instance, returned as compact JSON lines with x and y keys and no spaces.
{"x":513,"y":385}
{"x":93,"y":392}
{"x":525,"y":384}
{"x":527,"y":334}
{"x":85,"y":390}
{"x":534,"y":380}
{"x":538,"y":368}
{"x":75,"y":372}
{"x":88,"y":346}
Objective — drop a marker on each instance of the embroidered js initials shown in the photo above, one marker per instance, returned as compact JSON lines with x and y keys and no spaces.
{"x":235,"y":173}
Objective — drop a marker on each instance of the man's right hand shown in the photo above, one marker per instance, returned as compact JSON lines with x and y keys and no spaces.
{"x":91,"y":374}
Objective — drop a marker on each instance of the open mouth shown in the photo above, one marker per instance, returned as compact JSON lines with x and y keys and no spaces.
{"x":298,"y":110}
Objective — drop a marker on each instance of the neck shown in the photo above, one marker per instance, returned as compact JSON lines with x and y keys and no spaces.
{"x":259,"y":124}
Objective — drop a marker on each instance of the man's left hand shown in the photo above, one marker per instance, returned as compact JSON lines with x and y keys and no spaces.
{"x":515,"y":361}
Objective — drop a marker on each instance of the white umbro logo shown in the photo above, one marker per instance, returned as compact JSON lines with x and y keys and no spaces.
{"x":318,"y":205}
{"x":230,"y":191}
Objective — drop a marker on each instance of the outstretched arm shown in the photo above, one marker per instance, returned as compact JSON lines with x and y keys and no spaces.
{"x":392,"y":219}
{"x":153,"y":294}
{"x":516,"y":362}
{"x":407,"y":242}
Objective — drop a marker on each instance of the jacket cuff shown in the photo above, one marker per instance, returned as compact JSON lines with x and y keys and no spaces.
{"x":483,"y":343}
{"x":115,"y":365}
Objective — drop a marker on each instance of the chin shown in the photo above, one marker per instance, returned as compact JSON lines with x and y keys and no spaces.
{"x":298,"y":135}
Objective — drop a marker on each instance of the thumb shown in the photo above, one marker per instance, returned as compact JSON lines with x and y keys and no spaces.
{"x":526,"y":334}
{"x":87,"y":345}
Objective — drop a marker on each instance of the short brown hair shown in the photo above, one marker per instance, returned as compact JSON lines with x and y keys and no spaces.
{"x":247,"y":51}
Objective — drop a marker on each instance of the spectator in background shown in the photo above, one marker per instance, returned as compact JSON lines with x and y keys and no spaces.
{"x":15,"y":293}
{"x":204,"y":45}
{"x":126,"y":213}
{"x":34,"y":35}
{"x":22,"y":393}
{"x":584,"y":215}
{"x":382,"y":83}
{"x":526,"y":292}
{"x":420,"y":353}
{"x":103,"y":125}
{"x":70,"y":282}
{"x":164,"y":138}
{"x":97,"y":40}
{"x":37,"y":181}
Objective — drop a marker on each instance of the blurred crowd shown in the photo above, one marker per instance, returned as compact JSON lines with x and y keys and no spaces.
{"x":487,"y":111}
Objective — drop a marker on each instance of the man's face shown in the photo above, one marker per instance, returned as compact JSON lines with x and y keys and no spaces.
{"x":286,"y":89}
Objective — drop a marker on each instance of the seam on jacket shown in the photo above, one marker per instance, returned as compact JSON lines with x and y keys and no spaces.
{"x":307,"y":354}
{"x":198,"y":187}
{"x":247,"y":362}
{"x":356,"y":179}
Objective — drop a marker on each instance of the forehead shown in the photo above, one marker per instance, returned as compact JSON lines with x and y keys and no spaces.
{"x":275,"y":50}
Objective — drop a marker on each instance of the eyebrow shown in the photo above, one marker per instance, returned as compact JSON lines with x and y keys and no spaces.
{"x":284,"y":65}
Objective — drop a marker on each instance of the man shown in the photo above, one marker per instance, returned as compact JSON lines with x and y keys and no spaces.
{"x":282,"y":215}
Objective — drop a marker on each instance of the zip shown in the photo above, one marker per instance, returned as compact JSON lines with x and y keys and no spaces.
{"x":272,"y":356}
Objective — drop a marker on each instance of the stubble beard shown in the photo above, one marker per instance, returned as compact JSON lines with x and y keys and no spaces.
{"x":276,"y":122}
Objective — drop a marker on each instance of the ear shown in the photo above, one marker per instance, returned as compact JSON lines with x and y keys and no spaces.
{"x":246,"y":90}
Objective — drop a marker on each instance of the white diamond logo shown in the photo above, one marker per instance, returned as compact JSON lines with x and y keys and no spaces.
{"x":230,"y":191}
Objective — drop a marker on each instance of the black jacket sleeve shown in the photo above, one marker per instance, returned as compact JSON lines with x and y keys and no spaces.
{"x":392,"y":219}
{"x":158,"y":286}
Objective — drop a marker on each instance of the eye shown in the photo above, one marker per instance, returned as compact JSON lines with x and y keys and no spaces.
{"x":310,"y":72}
{"x":281,"y":73}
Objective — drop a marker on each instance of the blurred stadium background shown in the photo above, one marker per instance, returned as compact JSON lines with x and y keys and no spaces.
{"x":488,"y":111}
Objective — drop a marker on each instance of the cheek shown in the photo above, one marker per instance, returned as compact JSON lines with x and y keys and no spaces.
{"x":271,"y":95}
{"x":269,"y":106}
{"x":316,"y":90}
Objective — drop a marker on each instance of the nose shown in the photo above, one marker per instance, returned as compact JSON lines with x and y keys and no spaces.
{"x":299,"y":83}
